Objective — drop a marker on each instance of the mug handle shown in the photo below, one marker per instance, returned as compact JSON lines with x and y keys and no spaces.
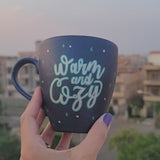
{"x":15,"y":71}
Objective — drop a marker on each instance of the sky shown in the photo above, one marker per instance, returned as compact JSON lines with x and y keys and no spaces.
{"x":133,"y":25}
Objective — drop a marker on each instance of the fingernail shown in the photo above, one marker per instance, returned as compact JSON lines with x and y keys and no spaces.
{"x":107,"y":119}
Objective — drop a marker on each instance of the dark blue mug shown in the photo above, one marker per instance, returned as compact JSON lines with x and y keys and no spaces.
{"x":77,"y":78}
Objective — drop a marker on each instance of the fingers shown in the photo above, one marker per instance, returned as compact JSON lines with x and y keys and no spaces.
{"x":96,"y":136}
{"x":48,"y":134}
{"x":28,"y":123}
{"x":34,"y":108}
{"x":64,"y":141}
{"x":35,"y":104}
{"x":40,"y":118}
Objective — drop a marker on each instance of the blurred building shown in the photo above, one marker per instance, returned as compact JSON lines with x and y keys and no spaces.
{"x":152,"y":82}
{"x":129,"y":79}
{"x":130,"y":63}
{"x":154,"y":58}
{"x":27,"y":77}
{"x":6,"y":64}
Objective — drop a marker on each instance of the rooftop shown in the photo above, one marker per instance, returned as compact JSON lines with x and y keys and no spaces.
{"x":154,"y":52}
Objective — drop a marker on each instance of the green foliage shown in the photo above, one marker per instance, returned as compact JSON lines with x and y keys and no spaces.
{"x":136,"y":101}
{"x":57,"y":139}
{"x":135,"y":104}
{"x":133,"y":145}
{"x":153,"y":108}
{"x":1,"y":108}
{"x":150,"y":109}
{"x":111,"y":110}
{"x":129,"y":109}
{"x":123,"y":138}
{"x":156,"y":106}
{"x":9,"y":144}
{"x":1,"y":89}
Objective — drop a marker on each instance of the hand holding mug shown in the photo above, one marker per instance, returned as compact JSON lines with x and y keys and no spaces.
{"x":33,"y":145}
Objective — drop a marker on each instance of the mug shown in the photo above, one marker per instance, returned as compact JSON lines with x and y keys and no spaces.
{"x":77,"y":77}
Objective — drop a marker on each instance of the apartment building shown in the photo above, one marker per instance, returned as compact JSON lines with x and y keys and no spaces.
{"x":154,"y":58}
{"x":127,"y":85}
{"x":152,"y":81}
{"x":6,"y":64}
{"x":129,"y":80}
{"x":27,"y":76}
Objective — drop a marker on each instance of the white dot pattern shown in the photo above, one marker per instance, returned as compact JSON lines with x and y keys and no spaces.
{"x":42,"y":81}
{"x":59,"y":122}
{"x":77,"y":116}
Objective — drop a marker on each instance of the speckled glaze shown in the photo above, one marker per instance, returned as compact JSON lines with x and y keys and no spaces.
{"x":77,"y":77}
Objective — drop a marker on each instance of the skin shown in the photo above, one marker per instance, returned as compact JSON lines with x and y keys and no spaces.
{"x":33,"y":145}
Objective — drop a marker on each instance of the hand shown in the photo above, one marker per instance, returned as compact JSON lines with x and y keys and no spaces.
{"x":33,"y":145}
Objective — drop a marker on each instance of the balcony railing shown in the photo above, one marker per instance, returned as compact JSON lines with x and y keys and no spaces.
{"x":152,"y":82}
{"x":152,"y":98}
{"x":118,"y":94}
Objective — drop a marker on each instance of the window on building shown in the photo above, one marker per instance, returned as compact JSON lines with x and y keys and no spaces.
{"x":26,"y":81}
{"x":9,"y":70}
{"x":10,"y":93}
{"x":10,"y":82}
{"x":154,"y":75}
{"x":155,"y":91}
{"x":115,"y":101}
{"x":26,"y":69}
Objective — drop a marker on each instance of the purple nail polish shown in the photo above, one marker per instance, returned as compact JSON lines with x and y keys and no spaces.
{"x":107,"y":119}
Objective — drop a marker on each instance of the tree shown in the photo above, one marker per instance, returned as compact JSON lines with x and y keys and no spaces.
{"x":1,"y":88}
{"x":133,"y":145}
{"x":57,"y":139}
{"x":9,"y":144}
{"x":111,"y":110}
{"x":1,"y":108}
{"x":156,"y":106}
{"x":135,"y":104}
{"x":1,"y":103}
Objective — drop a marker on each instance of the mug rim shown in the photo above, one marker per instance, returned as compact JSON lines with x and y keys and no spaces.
{"x":80,"y":36}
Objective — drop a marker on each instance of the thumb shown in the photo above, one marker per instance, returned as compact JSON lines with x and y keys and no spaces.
{"x":96,"y":136}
